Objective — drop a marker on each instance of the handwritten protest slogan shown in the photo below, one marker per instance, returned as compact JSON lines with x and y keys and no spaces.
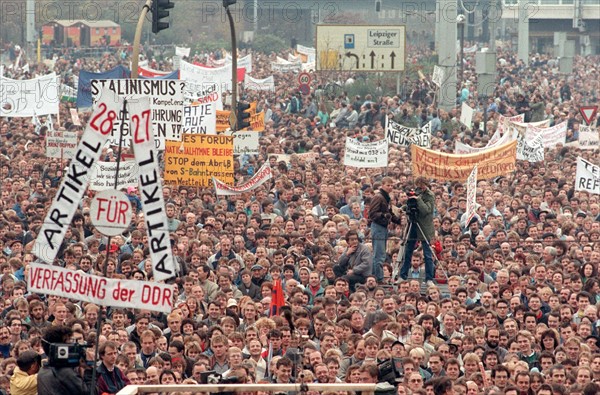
{"x":245,"y":142}
{"x":451,"y":167}
{"x":405,"y":136}
{"x":369,"y":155}
{"x":102,"y":176}
{"x":262,"y":175}
{"x":588,"y":137}
{"x":222,"y":120}
{"x":61,"y":144}
{"x":198,"y":158}
{"x":200,"y":119}
{"x":587,"y":176}
{"x":66,"y":283}
{"x":530,"y":149}
{"x":471,"y":195}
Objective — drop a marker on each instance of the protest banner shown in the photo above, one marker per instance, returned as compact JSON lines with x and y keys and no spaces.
{"x":366,"y":155}
{"x":503,"y":122}
{"x":102,"y":291}
{"x":243,"y":62}
{"x":166,"y":107}
{"x":75,"y":117}
{"x":260,"y":85}
{"x":26,"y":98}
{"x":307,"y":54}
{"x":285,"y":66}
{"x":67,"y":94}
{"x":222,"y":122}
{"x":587,"y":176}
{"x":202,"y":82}
{"x":438,"y":75}
{"x":471,"y":195}
{"x":490,"y":163}
{"x":84,"y":82}
{"x":530,"y":148}
{"x":61,"y":144}
{"x":111,"y":212}
{"x":102,"y":175}
{"x":405,"y":136}
{"x":552,"y":136}
{"x":588,"y":137}
{"x":150,"y":186}
{"x":244,"y":142}
{"x":198,"y":158}
{"x":257,"y":122}
{"x":73,"y":185}
{"x":260,"y":177}
{"x":182,"y":51}
{"x":466,"y":115}
{"x":146,"y":72}
{"x":200,"y":119}
{"x":462,"y":148}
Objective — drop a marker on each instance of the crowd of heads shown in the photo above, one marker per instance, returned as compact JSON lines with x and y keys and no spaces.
{"x":514,"y":308}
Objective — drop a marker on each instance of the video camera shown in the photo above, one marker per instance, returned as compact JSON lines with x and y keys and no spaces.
{"x":412,"y":209}
{"x":391,"y":371}
{"x":66,"y":355}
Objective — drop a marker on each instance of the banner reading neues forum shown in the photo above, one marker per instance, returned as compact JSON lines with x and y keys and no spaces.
{"x":197,"y":158}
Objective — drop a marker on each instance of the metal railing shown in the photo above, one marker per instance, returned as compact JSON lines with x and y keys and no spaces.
{"x":366,"y":389}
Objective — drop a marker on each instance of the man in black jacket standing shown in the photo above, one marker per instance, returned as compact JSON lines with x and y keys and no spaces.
{"x":355,"y":263}
{"x":62,"y":380}
{"x":380,"y":216}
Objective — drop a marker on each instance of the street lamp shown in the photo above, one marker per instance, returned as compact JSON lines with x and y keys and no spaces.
{"x":460,"y":21}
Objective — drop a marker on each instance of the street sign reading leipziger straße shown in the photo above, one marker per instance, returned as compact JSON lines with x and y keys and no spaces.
{"x":361,"y":48}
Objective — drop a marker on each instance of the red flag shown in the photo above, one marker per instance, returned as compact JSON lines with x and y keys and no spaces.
{"x":277,"y":300}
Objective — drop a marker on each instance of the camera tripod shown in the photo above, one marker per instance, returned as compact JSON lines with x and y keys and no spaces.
{"x":402,"y":252}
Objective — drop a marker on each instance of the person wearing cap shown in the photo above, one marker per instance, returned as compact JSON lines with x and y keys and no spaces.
{"x":24,"y":378}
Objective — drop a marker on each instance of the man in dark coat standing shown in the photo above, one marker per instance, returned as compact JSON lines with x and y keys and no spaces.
{"x":421,"y":230}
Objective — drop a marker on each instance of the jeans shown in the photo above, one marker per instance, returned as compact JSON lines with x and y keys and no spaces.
{"x":379,"y":235}
{"x":408,"y":253}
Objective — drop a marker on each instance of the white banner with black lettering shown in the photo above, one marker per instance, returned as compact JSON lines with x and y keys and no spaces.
{"x":438,"y":75}
{"x":200,"y":119}
{"x":366,"y":155}
{"x":245,"y":142}
{"x":182,"y":51}
{"x":552,"y":136}
{"x":166,"y":107}
{"x":26,"y":98}
{"x":61,"y":144}
{"x":243,"y":62}
{"x":405,"y":136}
{"x":587,"y":176}
{"x":530,"y":148}
{"x":471,"y":195}
{"x":102,"y":176}
{"x":588,"y":137}
{"x":150,"y":187}
{"x":75,"y":181}
{"x":260,"y":85}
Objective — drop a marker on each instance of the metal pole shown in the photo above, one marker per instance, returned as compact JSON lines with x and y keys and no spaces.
{"x":233,"y":69}
{"x":138,"y":38}
{"x":105,"y":268}
{"x":462,"y":54}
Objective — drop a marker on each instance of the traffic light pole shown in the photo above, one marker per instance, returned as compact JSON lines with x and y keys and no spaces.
{"x":138,"y":38}
{"x":233,"y":71}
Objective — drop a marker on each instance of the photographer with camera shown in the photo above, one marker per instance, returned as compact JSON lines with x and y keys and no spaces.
{"x":58,"y":378}
{"x":380,"y":216}
{"x":419,"y":208}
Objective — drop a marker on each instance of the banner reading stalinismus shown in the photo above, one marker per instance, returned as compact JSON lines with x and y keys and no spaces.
{"x":451,"y":167}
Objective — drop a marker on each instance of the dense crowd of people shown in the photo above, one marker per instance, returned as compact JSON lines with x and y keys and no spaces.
{"x":511,"y":306}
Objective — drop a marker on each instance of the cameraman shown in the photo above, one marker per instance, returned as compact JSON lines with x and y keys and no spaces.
{"x":62,"y":380}
{"x":422,"y":229}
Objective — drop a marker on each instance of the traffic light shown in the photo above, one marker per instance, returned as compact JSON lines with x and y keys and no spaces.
{"x":227,"y":3}
{"x":242,"y":115}
{"x":159,"y":11}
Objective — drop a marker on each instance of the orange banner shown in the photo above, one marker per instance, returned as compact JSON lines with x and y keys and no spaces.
{"x":451,"y":167}
{"x":197,"y":158}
